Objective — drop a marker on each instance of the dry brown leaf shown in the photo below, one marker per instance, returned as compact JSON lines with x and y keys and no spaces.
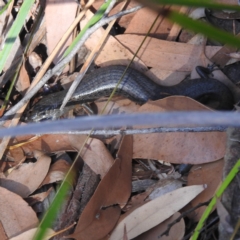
{"x":30,"y":234}
{"x":27,"y":177}
{"x":176,"y":232}
{"x":209,"y":174}
{"x":189,"y":148}
{"x":58,"y":16}
{"x":23,"y":81}
{"x":167,"y":59}
{"x":113,"y":52}
{"x":103,"y":210}
{"x":15,"y":214}
{"x":52,"y":143}
{"x":97,"y":157}
{"x":154,"y":212}
{"x":142,"y":21}
{"x":57,"y":172}
{"x":117,"y":105}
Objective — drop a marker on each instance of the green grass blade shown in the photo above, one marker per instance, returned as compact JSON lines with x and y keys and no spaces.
{"x":97,"y":16}
{"x":195,"y":3}
{"x":14,"y":31}
{"x":217,"y":195}
{"x":5,"y":7}
{"x":203,"y":28}
{"x":51,"y":214}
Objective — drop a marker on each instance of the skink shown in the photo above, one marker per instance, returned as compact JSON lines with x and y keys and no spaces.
{"x":135,"y":86}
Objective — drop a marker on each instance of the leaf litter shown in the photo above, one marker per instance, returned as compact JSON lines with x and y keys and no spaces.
{"x":113,"y":211}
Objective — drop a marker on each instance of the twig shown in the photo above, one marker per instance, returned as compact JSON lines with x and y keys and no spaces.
{"x":184,"y":214}
{"x":111,"y":5}
{"x":109,"y":132}
{"x":58,"y":67}
{"x":165,"y":119}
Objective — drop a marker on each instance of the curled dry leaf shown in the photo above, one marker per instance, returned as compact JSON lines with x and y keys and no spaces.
{"x":57,"y":172}
{"x":209,"y":174}
{"x":94,"y":153}
{"x":30,"y":234}
{"x":176,"y":232}
{"x":27,"y":177}
{"x":184,"y":147}
{"x":103,"y":210}
{"x":15,"y":214}
{"x":39,"y":197}
{"x":154,"y":212}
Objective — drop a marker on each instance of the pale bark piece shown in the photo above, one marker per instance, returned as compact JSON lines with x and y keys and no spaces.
{"x":224,"y":217}
{"x":57,"y":172}
{"x":143,"y":20}
{"x":15,"y":214}
{"x":155,"y":212}
{"x":184,"y":147}
{"x":26,"y":178}
{"x":162,"y":187}
{"x":209,"y":174}
{"x":30,"y":234}
{"x":176,"y":232}
{"x":35,"y":60}
{"x":59,"y":15}
{"x":103,"y":210}
{"x":113,"y":52}
{"x":165,"y":57}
